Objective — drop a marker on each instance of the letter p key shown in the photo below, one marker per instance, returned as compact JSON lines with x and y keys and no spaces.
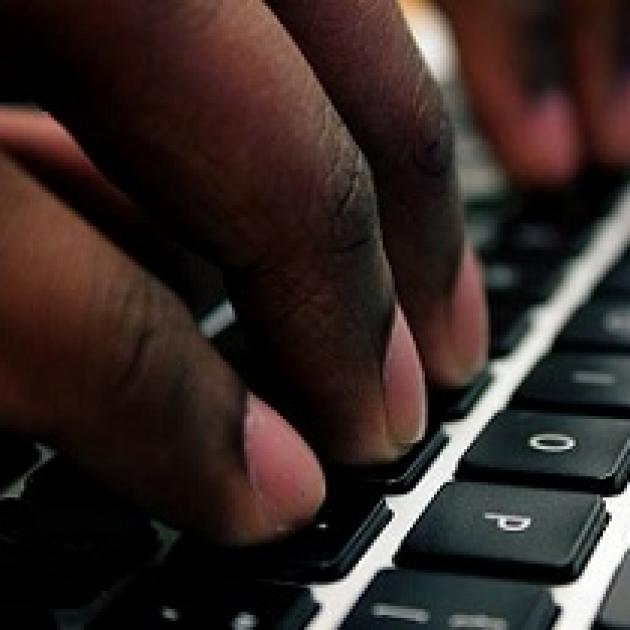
{"x":511,"y":523}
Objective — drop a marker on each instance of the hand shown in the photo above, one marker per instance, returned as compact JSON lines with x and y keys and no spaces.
{"x":550,"y":81}
{"x":316,"y":188}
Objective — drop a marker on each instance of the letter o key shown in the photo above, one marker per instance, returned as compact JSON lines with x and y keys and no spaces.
{"x":552,"y":442}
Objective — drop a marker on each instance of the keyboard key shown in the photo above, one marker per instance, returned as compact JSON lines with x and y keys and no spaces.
{"x":528,"y":237}
{"x":549,"y":224}
{"x":17,"y":456}
{"x":602,"y":325}
{"x":397,"y":477}
{"x":433,"y":601}
{"x":485,"y":216}
{"x":615,"y":611}
{"x":509,"y":322}
{"x":350,"y":519}
{"x":64,"y":557}
{"x":454,"y":403}
{"x":60,"y":483}
{"x":522,"y":282}
{"x":617,"y":282}
{"x":552,"y":451}
{"x":582,"y":383}
{"x":162,"y":601}
{"x":506,"y":531}
{"x":25,"y":618}
{"x":599,"y":188}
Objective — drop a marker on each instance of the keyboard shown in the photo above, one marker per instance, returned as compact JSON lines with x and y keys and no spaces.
{"x":512,"y":514}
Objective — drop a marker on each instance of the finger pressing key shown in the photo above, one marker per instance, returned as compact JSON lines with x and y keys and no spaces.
{"x":207,"y":115}
{"x":106,"y":363}
{"x":370,"y":66}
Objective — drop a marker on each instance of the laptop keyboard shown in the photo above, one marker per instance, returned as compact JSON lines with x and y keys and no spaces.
{"x":512,"y":514}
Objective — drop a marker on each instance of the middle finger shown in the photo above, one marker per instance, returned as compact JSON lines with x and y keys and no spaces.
{"x":370,"y":66}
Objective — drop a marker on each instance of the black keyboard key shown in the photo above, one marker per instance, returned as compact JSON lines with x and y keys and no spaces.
{"x":617,"y":282}
{"x":454,"y":403}
{"x":63,"y":557}
{"x":615,"y":611}
{"x":350,"y":519}
{"x":509,"y":322}
{"x":529,"y":237}
{"x":506,"y":531}
{"x":522,"y":282}
{"x":561,"y":219}
{"x":162,"y":601}
{"x":551,"y":451}
{"x":25,"y":618}
{"x":485,"y":216}
{"x":602,"y":325}
{"x":581,"y":383}
{"x":599,"y":188}
{"x":60,"y":483}
{"x":549,"y":225}
{"x":400,"y":600}
{"x":397,"y":477}
{"x":17,"y":455}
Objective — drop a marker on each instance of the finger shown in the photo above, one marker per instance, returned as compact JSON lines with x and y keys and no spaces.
{"x":207,"y":114}
{"x":506,"y":56}
{"x":396,"y":114}
{"x":600,"y":31}
{"x":46,"y":151}
{"x":102,"y":360}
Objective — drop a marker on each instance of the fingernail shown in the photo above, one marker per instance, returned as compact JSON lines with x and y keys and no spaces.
{"x":403,"y":382}
{"x":282,"y":469}
{"x":468,"y":321}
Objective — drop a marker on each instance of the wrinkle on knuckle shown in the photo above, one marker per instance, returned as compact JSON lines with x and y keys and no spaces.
{"x":147,"y":365}
{"x":339,"y":217}
{"x":351,"y":207}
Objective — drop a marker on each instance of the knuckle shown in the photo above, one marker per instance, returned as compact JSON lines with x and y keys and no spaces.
{"x":350,"y":206}
{"x":148,"y":328}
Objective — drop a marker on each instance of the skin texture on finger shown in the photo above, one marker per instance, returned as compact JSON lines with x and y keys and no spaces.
{"x":106,"y":363}
{"x":536,"y":136}
{"x":207,"y":114}
{"x":47,"y":152}
{"x":396,"y":114}
{"x":600,"y":37}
